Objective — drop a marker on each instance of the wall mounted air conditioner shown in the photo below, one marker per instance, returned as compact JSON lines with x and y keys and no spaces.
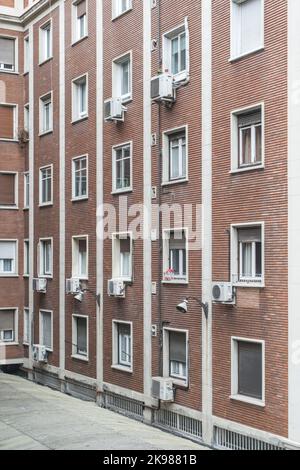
{"x":40,"y":285}
{"x":114,"y":110}
{"x":162,"y":389}
{"x":162,"y":88}
{"x":39,"y":353}
{"x":116,"y":288}
{"x":6,"y":336}
{"x":73,"y":286}
{"x":223,"y":292}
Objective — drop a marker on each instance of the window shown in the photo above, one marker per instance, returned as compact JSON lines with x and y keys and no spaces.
{"x":8,"y":190}
{"x":122,"y":256}
{"x":122,"y":156}
{"x":26,"y":326}
{"x":248,"y":255}
{"x":7,"y":54}
{"x":80,"y":257}
{"x":175,"y":354}
{"x":8,"y":122}
{"x":8,"y":325}
{"x":46,"y":329}
{"x":46,"y":114}
{"x":122,"y":345}
{"x":175,"y":155}
{"x":175,"y":255}
{"x":26,"y":117}
{"x":79,"y":20}
{"x":248,"y":370}
{"x":120,"y":6}
{"x":26,"y":54}
{"x":46,"y":255}
{"x":80,"y":99}
{"x":45,"y":42}
{"x":246,"y":26}
{"x":26,"y":190}
{"x":80,"y":337}
{"x":8,"y":257}
{"x":46,"y":185}
{"x":122,"y":77}
{"x":80,"y":177}
{"x":26,"y":258}
{"x":176,"y":52}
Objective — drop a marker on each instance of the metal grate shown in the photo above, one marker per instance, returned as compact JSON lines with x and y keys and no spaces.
{"x":124,"y":405}
{"x":225,"y":439}
{"x":183,"y":425}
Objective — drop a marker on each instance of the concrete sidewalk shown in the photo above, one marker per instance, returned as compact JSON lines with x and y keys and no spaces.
{"x":35,"y":417}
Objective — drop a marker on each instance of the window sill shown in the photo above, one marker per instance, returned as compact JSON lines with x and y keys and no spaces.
{"x":121,"y":191}
{"x":4,"y":139}
{"x":79,"y":119}
{"x":77,"y":41}
{"x":78,"y":357}
{"x":122,"y":368}
{"x":45,"y":276}
{"x":77,"y":199}
{"x":248,"y":168}
{"x":11,"y":72}
{"x":246,"y":54}
{"x":26,"y":276}
{"x":249,"y":400}
{"x":176,"y":281}
{"x":25,"y":344}
{"x":81,"y":278}
{"x":25,"y":208}
{"x":9,"y":208}
{"x":45,"y":60}
{"x":180,"y":77}
{"x":171,"y":183}
{"x":121,"y":14}
{"x":9,"y":343}
{"x":46,"y":204}
{"x":41,"y":134}
{"x":9,"y":275}
{"x":245,"y":284}
{"x":182,"y":383}
{"x":126,"y":100}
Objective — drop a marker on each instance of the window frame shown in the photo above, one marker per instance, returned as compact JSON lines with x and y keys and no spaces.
{"x":74,"y":197}
{"x":43,"y":100}
{"x":26,"y":186}
{"x":115,"y":14}
{"x":41,"y":311}
{"x":15,"y":122}
{"x":75,"y":257}
{"x":14,"y":206}
{"x":26,"y":339}
{"x":26,"y":60}
{"x":115,"y":346}
{"x":116,"y":83}
{"x":26,"y":257}
{"x":166,"y":249}
{"x":75,"y":37}
{"x":16,"y":64}
{"x":48,"y":203}
{"x":114,"y":167}
{"x":15,"y":340}
{"x":116,"y":258}
{"x":167,"y":38}
{"x":235,"y":153}
{"x":234,"y":372}
{"x":183,"y":381}
{"x":15,"y":273}
{"x":42,"y":274}
{"x":166,"y":155}
{"x":42,"y":28}
{"x":76,"y":116}
{"x":75,"y":354}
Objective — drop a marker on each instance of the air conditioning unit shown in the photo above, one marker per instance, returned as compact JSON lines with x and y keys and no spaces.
{"x":116,"y":288}
{"x":114,"y":110}
{"x":40,"y":285}
{"x":162,"y":389}
{"x":73,"y":286}
{"x":39,"y":353}
{"x":223,"y":292}
{"x":7,"y":336}
{"x":162,"y":88}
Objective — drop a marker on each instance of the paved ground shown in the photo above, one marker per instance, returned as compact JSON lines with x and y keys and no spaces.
{"x":36,"y":417}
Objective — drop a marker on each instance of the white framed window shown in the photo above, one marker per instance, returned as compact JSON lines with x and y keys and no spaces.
{"x":46,"y":185}
{"x":122,"y":256}
{"x":175,"y":354}
{"x":80,"y":98}
{"x":122,"y":167}
{"x":26,"y":190}
{"x":247,"y":260}
{"x":175,"y":255}
{"x":8,"y":54}
{"x":8,"y":121}
{"x":45,"y":49}
{"x":9,"y":325}
{"x":8,"y":190}
{"x":46,"y":257}
{"x":8,"y":258}
{"x":46,"y":113}
{"x":26,"y":117}
{"x":46,"y":329}
{"x":119,"y":7}
{"x":26,"y":258}
{"x":247,"y":138}
{"x":80,"y":257}
{"x":247,"y":27}
{"x":80,"y":177}
{"x":80,"y":23}
{"x":80,"y":342}
{"x":176,"y":52}
{"x":122,"y":77}
{"x":122,"y":345}
{"x":248,"y":370}
{"x":175,"y":155}
{"x":26,"y":54}
{"x":26,"y":326}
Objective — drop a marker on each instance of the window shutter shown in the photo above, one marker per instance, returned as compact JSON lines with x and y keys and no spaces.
{"x":249,"y":119}
{"x":177,"y":240}
{"x":6,"y":122}
{"x":7,"y":319}
{"x":177,"y":342}
{"x":125,"y":245}
{"x":7,"y":250}
{"x":7,"y":189}
{"x":249,"y":234}
{"x":250,"y":369}
{"x":7,"y":51}
{"x":81,"y":8}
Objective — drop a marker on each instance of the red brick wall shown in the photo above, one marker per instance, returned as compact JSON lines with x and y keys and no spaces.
{"x":7,"y":3}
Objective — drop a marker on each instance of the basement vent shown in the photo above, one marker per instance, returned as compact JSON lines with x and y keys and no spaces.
{"x":124,"y":405}
{"x":48,"y":379}
{"x":183,"y":425}
{"x":80,"y":390}
{"x":225,"y":439}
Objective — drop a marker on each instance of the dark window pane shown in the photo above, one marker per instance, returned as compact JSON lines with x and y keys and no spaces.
{"x":250,"y":369}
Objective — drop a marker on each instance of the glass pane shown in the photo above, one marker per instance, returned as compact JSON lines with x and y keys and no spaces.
{"x":174,"y":258}
{"x":182,"y":52}
{"x":126,"y":182}
{"x":119,"y":179}
{"x":258,"y":260}
{"x":174,"y":161}
{"x":82,"y":98}
{"x":258,"y":144}
{"x":175,"y":56}
{"x":246,"y":146}
{"x":246,"y":260}
{"x":125,"y":78}
{"x":125,"y":264}
{"x":7,"y":265}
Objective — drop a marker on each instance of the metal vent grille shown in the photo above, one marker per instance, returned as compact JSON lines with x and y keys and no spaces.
{"x":124,"y":405}
{"x":183,"y":425}
{"x":225,"y":439}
